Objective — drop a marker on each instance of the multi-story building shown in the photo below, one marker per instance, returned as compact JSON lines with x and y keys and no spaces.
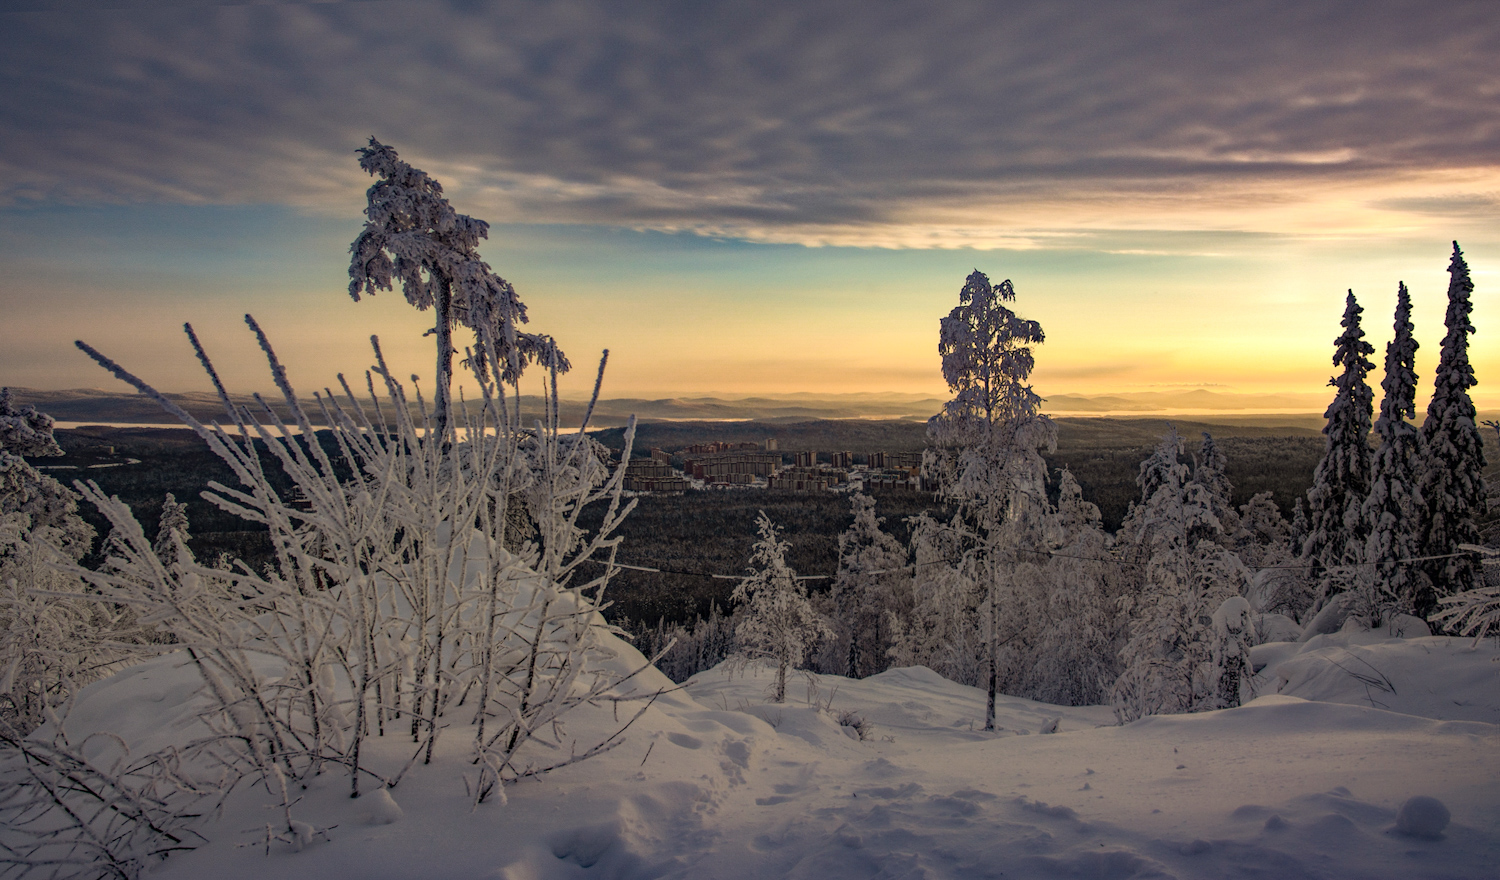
{"x":771,"y":445}
{"x":876,"y":460}
{"x":751,"y":464}
{"x":904,"y":459}
{"x":840,"y":459}
{"x":804,"y":459}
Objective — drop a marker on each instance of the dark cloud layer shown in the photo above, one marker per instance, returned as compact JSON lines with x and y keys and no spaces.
{"x":743,"y":118}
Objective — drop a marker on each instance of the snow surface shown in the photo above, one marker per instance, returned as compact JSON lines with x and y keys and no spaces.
{"x":713,"y":782}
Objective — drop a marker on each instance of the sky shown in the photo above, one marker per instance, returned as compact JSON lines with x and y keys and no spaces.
{"x":754,"y":198}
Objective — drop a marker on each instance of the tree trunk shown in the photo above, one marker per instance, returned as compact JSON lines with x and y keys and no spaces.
{"x":442,"y":405}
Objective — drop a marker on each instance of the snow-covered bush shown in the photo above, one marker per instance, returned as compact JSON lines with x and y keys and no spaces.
{"x":393,"y":599}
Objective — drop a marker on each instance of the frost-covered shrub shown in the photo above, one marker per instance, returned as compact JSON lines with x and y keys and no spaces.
{"x":393,"y":598}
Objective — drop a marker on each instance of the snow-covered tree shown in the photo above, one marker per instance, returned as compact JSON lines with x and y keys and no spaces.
{"x":872,"y":569}
{"x":48,"y":644}
{"x":1167,"y":662}
{"x":945,"y":627}
{"x":1393,"y":508}
{"x":776,"y":620}
{"x":1337,"y":528}
{"x":412,"y":236}
{"x":172,"y":533}
{"x":985,"y":446}
{"x":1072,"y":653}
{"x":1234,"y":633}
{"x":1452,"y":483}
{"x":1211,"y":472}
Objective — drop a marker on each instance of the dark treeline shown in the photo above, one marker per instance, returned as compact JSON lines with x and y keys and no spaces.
{"x":712,"y":532}
{"x":698,"y":531}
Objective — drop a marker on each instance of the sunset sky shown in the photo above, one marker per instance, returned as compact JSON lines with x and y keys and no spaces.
{"x":755,"y":197}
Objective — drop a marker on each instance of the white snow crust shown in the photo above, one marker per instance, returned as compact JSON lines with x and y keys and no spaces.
{"x":714,"y":782}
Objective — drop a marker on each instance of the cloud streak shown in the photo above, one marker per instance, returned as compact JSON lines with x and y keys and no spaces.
{"x":1012,"y":125}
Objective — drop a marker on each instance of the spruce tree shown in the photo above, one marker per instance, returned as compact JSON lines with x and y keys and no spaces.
{"x":1336,"y":527}
{"x":871,"y":563}
{"x":1452,"y":487}
{"x":1392,"y":509}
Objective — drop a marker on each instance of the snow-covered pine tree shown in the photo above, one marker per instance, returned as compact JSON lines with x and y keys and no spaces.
{"x":985,"y":446}
{"x":776,"y":620}
{"x":1393,"y":508}
{"x":1297,"y":529}
{"x":172,"y":533}
{"x":1211,"y":472}
{"x":1234,"y":633}
{"x":48,"y":644}
{"x":413,"y":236}
{"x":1336,"y":527}
{"x":871,"y":567}
{"x":1452,"y":488}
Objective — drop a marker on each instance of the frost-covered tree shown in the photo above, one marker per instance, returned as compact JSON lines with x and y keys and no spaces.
{"x":1072,"y":653}
{"x":1452,"y":482}
{"x":872,"y":570}
{"x":776,"y":620}
{"x":985,"y":446}
{"x":1393,"y":508}
{"x":48,"y":644}
{"x":412,"y":236}
{"x":1211,"y":472}
{"x":945,"y":628}
{"x":172,"y":533}
{"x":1234,"y":633}
{"x":1167,"y":662}
{"x":1336,"y":523}
{"x":46,"y":503}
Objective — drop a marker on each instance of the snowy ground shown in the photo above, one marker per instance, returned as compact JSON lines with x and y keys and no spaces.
{"x":714,"y":783}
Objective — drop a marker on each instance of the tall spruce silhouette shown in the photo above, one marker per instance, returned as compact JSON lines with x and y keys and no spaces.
{"x":1452,"y":486}
{"x":1336,"y":527}
{"x":1393,"y":508}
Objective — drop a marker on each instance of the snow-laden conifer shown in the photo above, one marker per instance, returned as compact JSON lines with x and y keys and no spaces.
{"x":172,"y":533}
{"x":872,"y":569}
{"x":1393,"y":508}
{"x":945,"y":628}
{"x":775,"y":619}
{"x":1211,"y":472}
{"x":1167,"y":662}
{"x":1452,"y":483}
{"x":1072,"y":651}
{"x":1336,"y":524}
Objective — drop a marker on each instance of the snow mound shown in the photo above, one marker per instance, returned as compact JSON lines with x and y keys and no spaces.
{"x":1431,"y":676}
{"x":1422,"y":816}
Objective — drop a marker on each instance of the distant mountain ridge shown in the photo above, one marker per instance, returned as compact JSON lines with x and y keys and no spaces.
{"x":98,"y":405}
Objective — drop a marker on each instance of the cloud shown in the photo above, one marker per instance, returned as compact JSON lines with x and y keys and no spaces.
{"x":954,"y":125}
